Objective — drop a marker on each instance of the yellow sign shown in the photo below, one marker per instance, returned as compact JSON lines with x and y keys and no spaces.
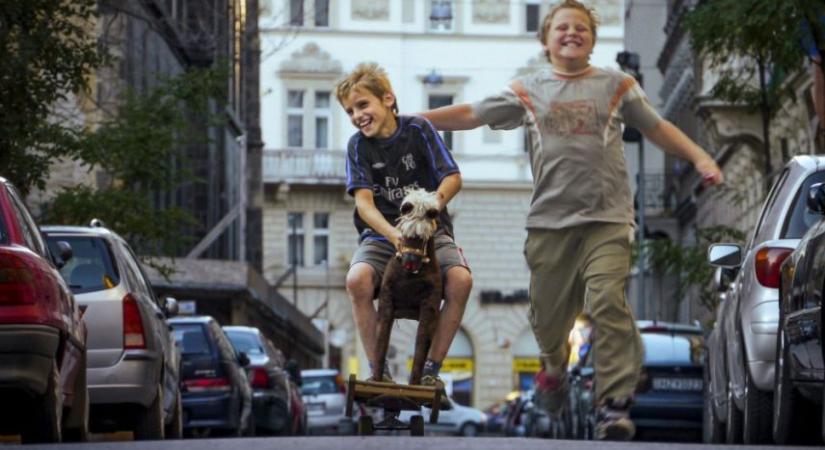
{"x":526,"y":365}
{"x":450,"y":365}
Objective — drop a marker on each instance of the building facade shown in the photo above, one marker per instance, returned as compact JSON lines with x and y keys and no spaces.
{"x":436,"y":53}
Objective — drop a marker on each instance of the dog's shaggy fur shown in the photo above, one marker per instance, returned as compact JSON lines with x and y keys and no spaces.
{"x":412,"y":286}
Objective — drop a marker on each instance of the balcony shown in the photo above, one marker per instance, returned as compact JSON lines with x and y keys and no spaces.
{"x":305,"y":166}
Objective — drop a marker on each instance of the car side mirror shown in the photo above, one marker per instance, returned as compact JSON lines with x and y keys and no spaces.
{"x":243,"y":360}
{"x":65,"y":253}
{"x":170,"y":307}
{"x":725,"y":255}
{"x":816,"y":198}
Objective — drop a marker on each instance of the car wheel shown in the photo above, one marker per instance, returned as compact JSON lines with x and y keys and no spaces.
{"x":712,"y":429}
{"x":174,"y":430}
{"x":149,"y":423}
{"x":416,"y":425}
{"x":468,"y":430}
{"x":76,"y":425}
{"x":45,"y":425}
{"x":733,"y":420}
{"x":757,"y":414}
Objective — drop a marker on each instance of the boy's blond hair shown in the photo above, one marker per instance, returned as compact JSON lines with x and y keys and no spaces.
{"x":370,"y":77}
{"x":571,"y":4}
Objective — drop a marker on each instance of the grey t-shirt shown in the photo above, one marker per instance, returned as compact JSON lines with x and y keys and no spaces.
{"x":574,"y":127}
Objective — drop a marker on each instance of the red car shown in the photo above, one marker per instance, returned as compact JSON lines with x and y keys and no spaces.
{"x":42,"y":334}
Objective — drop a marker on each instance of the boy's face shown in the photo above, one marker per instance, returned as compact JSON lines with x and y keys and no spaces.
{"x":371,"y":115}
{"x":570,"y":38}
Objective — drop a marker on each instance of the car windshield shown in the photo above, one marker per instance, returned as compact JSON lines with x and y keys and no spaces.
{"x":319,"y":385}
{"x":667,"y":348}
{"x":802,"y":218}
{"x":91,"y":267}
{"x":245,"y":342}
{"x":191,"y":339}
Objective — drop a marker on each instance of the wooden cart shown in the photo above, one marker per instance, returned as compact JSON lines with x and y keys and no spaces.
{"x":393,"y":398}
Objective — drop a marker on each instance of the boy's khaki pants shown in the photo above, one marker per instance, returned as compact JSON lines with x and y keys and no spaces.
{"x":591,"y":260}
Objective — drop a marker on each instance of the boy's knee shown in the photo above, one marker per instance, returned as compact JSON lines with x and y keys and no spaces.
{"x":459,"y":279}
{"x":360,"y":282}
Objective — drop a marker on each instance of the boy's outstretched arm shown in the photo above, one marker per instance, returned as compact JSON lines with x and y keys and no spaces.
{"x":453,"y":117}
{"x":448,"y":188}
{"x":365,"y":204}
{"x":665,"y":135}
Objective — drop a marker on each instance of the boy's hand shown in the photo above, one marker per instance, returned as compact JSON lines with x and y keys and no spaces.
{"x":711,"y":174}
{"x":395,"y":238}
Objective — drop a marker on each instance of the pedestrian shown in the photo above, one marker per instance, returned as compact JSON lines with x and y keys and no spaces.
{"x":387,"y":157}
{"x":580,"y":223}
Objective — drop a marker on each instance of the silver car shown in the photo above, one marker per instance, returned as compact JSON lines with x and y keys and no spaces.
{"x":742,"y":345}
{"x":325,"y":399}
{"x":132,"y":360}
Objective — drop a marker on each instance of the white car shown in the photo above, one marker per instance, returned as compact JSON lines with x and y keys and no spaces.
{"x":452,"y":419}
{"x":325,"y":398}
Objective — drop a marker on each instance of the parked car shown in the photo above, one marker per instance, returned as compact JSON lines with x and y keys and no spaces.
{"x":217,"y":396}
{"x":453,"y":418}
{"x":799,"y":373}
{"x":749,"y":325}
{"x":669,"y":392}
{"x":325,"y":397}
{"x":42,"y":333}
{"x":272,"y":388}
{"x":132,"y":362}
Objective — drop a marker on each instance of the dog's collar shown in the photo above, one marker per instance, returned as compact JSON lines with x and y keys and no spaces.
{"x":422,"y":252}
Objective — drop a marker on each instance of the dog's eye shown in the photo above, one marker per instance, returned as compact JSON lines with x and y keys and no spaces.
{"x":406,"y":208}
{"x":432,"y":213}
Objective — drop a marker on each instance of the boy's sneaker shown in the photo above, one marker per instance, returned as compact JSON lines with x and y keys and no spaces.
{"x":552,"y":391}
{"x":434,"y":380}
{"x":613,"y":422}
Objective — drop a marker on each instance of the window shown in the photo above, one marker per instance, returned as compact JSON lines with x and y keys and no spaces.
{"x":295,"y":244}
{"x":531,"y":19}
{"x":321,"y":13}
{"x":441,"y":15}
{"x":309,"y":117}
{"x":296,"y":12}
{"x":322,"y":116}
{"x":320,"y":244}
{"x":437,"y":101}
{"x":295,"y":118}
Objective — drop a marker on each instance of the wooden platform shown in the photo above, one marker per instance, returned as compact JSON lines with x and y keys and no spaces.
{"x":393,"y":398}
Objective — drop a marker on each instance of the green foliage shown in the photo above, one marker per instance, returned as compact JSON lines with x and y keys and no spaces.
{"x":47,"y":51}
{"x":688,"y":264}
{"x":142,"y":152}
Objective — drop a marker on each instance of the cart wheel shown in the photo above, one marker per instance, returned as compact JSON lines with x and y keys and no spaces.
{"x":416,"y":426}
{"x":350,"y":394}
{"x":365,"y":427}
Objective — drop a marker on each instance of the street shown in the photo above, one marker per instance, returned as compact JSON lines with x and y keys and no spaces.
{"x":383,"y":442}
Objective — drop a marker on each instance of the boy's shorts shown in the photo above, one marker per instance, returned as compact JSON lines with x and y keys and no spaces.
{"x":377,"y":252}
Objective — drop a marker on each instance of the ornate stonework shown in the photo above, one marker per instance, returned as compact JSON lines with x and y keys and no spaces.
{"x":370,"y":9}
{"x":609,"y":12}
{"x":491,"y":12}
{"x":311,"y":59}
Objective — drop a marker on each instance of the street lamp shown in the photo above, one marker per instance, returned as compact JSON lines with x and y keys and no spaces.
{"x":629,"y":62}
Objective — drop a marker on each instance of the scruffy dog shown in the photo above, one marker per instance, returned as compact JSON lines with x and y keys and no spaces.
{"x":411,"y":287}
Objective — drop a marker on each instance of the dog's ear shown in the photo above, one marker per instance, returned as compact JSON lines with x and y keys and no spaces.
{"x":432,"y":213}
{"x":406,"y":207}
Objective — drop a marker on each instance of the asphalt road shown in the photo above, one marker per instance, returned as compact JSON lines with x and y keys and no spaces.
{"x":380,"y":443}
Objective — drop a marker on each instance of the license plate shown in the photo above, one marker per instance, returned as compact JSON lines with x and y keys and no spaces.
{"x":677,"y":384}
{"x":315,"y":407}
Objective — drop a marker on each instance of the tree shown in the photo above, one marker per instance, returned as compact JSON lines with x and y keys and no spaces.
{"x":689,"y":263}
{"x":47,"y":51}
{"x":752,"y":45}
{"x":142,"y":152}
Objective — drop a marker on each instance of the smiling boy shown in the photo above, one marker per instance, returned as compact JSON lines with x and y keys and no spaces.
{"x":389,"y":156}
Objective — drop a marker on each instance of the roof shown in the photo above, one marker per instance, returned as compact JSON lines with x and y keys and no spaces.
{"x":190,"y":319}
{"x":72,"y":229}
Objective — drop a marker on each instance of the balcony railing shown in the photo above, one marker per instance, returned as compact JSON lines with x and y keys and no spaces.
{"x":311,"y":166}
{"x":658,"y":198}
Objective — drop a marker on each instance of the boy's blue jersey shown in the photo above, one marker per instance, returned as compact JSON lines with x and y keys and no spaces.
{"x":413,"y":157}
